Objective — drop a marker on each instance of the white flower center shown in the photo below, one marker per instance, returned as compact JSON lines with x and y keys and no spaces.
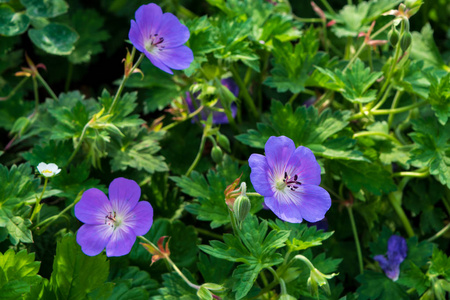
{"x":154,"y":43}
{"x":290,"y":182}
{"x":113,"y":220}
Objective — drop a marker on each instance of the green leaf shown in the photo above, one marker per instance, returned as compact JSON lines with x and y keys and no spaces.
{"x":415,"y":80}
{"x":354,"y":83}
{"x":431,"y":144}
{"x":54,"y":38}
{"x":257,"y":250}
{"x":214,"y":269}
{"x":16,"y":185}
{"x":370,"y":176}
{"x":132,"y":283}
{"x":45,"y":8}
{"x":74,"y":273}
{"x":293,"y":64}
{"x":440,"y":264}
{"x":378,"y":286}
{"x":12,"y":23}
{"x":301,"y":236}
{"x":88,"y":24}
{"x":182,"y":245}
{"x":57,"y":152}
{"x":424,"y":48}
{"x":176,"y":288}
{"x":18,"y":273}
{"x":122,"y":113}
{"x":137,"y":150}
{"x":439,"y":96}
{"x":210,"y":200}
{"x":304,"y":125}
{"x":351,"y":20}
{"x":413,"y":277}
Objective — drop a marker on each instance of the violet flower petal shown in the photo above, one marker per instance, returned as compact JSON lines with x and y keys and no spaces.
{"x":178,"y":58}
{"x":140,"y":219}
{"x":149,"y":18}
{"x":93,"y":207}
{"x":177,"y":34}
{"x":397,"y":249}
{"x":312,"y":200}
{"x":124,"y":194}
{"x":121,"y":241}
{"x":158,"y":63}
{"x":259,"y":175}
{"x":136,"y":37}
{"x":381,"y":259}
{"x":304,"y":164}
{"x":278,"y":152}
{"x":284,"y":208}
{"x":94,"y":238}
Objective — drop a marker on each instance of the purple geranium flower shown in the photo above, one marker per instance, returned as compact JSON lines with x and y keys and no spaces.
{"x":218,"y":117}
{"x":161,"y":37}
{"x":289,"y":179}
{"x":396,"y":254}
{"x":112,"y":223}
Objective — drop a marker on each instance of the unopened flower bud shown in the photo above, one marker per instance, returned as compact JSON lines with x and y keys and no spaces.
{"x":216,"y":154}
{"x":316,"y":278}
{"x":223,"y":142}
{"x":405,"y":41}
{"x":241,"y":207}
{"x":393,"y":36}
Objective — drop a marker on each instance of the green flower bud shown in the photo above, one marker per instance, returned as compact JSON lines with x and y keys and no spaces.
{"x":241,"y":207}
{"x":393,"y":36}
{"x":405,"y":41}
{"x":223,"y":142}
{"x":216,"y":154}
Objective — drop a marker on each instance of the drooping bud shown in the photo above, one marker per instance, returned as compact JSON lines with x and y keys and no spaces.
{"x":242,"y":205}
{"x":223,"y":142}
{"x":216,"y":154}
{"x":393,"y":36}
{"x":405,"y":41}
{"x":316,"y":278}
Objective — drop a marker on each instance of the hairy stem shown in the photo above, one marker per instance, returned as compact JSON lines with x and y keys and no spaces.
{"x":199,"y":153}
{"x":395,"y":201}
{"x":355,"y":235}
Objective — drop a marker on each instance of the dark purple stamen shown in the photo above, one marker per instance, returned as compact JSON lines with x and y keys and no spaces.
{"x":157,"y":41}
{"x":289,"y":182}
{"x":111,"y":218}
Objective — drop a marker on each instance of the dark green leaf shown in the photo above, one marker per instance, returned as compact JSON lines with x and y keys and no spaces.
{"x":425,"y":48}
{"x":74,"y":273}
{"x":439,"y":96}
{"x":304,"y":125}
{"x":45,"y":8}
{"x":176,"y":288}
{"x":378,"y":286}
{"x":12,"y":23}
{"x":54,"y":38}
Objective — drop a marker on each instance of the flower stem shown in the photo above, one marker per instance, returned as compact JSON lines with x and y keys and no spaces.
{"x":355,"y":235}
{"x":171,"y":263}
{"x":69,"y":77}
{"x":199,"y":153}
{"x":15,"y":89}
{"x":438,"y":234}
{"x":293,"y":97}
{"x":208,"y":233}
{"x":243,"y":89}
{"x":389,"y":111}
{"x":328,"y":6}
{"x":413,"y":174}
{"x":47,"y":87}
{"x":395,"y":201}
{"x":36,"y":95}
{"x":125,"y":78}
{"x":368,"y":133}
{"x":254,"y":194}
{"x":191,"y":115}
{"x":52,"y":219}
{"x":37,"y":206}
{"x":80,"y":141}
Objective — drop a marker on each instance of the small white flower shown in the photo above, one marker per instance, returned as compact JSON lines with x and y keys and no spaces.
{"x":48,"y":170}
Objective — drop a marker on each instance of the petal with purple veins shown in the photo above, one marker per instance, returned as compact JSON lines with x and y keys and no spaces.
{"x":304,"y":164}
{"x":94,"y":238}
{"x":259,"y":175}
{"x":148,"y":18}
{"x":178,"y":58}
{"x":174,"y":33}
{"x":278,"y":152}
{"x":284,"y":208}
{"x":312,"y":201}
{"x":136,"y":37}
{"x":93,"y":207}
{"x":121,"y":241}
{"x":140,"y":219}
{"x":157,"y":63}
{"x":124,"y":195}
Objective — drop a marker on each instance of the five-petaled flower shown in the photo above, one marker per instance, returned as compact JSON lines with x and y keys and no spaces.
{"x":396,"y":254}
{"x":289,"y":179}
{"x":112,"y":223}
{"x":48,"y":170}
{"x":161,"y":37}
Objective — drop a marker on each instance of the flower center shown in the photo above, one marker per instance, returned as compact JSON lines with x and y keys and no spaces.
{"x":290,"y":182}
{"x":154,"y":42}
{"x":112,"y":220}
